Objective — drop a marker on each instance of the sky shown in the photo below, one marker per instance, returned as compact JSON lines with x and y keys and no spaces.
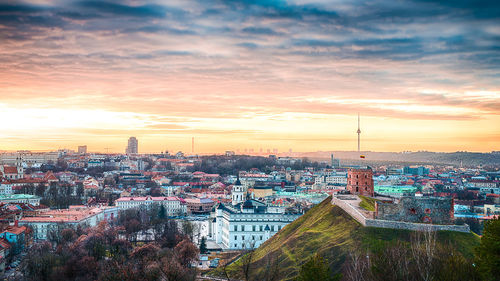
{"x":241,"y":74}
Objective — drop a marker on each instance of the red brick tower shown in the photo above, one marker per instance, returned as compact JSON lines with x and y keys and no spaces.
{"x":360,"y":181}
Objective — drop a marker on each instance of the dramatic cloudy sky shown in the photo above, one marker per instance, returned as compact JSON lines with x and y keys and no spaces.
{"x":250,"y":74}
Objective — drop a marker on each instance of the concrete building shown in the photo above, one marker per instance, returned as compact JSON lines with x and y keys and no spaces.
{"x":21,"y":198}
{"x":5,"y":188}
{"x":360,"y":181}
{"x":199,"y":205}
{"x":133,"y":146}
{"x":29,"y":158}
{"x":173,"y":205}
{"x":54,"y":220}
{"x":82,"y":149}
{"x":246,"y":225}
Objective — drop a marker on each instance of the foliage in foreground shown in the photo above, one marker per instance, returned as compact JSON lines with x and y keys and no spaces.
{"x":101,"y":253}
{"x":488,"y":253}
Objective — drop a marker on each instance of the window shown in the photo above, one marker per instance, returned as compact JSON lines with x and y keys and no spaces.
{"x":242,"y":228}
{"x":261,"y":227}
{"x":235,"y":228}
{"x":253,"y":227}
{"x":279,"y":227}
{"x":236,"y":237}
{"x":427,"y":211}
{"x":413,"y":211}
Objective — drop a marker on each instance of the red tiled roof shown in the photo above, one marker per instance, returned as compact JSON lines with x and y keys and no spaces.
{"x":9,"y":170}
{"x":4,"y":243}
{"x":15,"y":229}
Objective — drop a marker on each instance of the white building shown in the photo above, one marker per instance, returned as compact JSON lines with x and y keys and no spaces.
{"x":5,"y":188}
{"x":238,"y":194}
{"x":55,"y":220}
{"x":246,"y":225}
{"x":28,"y":157}
{"x":173,"y":205}
{"x":21,"y":198}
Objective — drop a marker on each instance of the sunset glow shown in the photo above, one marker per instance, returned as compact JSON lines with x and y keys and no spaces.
{"x":248,"y":74}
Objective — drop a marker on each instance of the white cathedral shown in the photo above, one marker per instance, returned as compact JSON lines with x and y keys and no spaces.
{"x":246,"y":223}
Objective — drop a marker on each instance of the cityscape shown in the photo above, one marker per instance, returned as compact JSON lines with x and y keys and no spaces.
{"x":249,"y":140}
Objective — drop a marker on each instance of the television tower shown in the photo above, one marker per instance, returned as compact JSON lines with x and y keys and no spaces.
{"x":359,"y":134}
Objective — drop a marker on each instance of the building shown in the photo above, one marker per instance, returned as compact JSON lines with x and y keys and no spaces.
{"x":247,"y":225}
{"x":133,"y":146}
{"x":173,"y":205}
{"x":199,"y":205}
{"x":416,"y":171}
{"x":491,"y":209}
{"x":82,"y":149}
{"x":54,"y":220}
{"x":12,"y":172}
{"x":435,"y":210}
{"x":360,"y":181}
{"x":260,"y":191}
{"x":16,"y":236}
{"x":21,"y":198}
{"x":238,"y":193}
{"x":29,"y":158}
{"x":5,"y":188}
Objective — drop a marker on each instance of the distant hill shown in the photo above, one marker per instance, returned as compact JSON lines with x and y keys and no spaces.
{"x":453,"y":158}
{"x":328,"y":230}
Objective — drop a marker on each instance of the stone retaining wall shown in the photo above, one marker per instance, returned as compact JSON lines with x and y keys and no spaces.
{"x":415,"y":226}
{"x":358,"y":216}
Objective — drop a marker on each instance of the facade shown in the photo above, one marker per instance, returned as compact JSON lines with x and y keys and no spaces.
{"x":173,"y":205}
{"x":29,"y":158}
{"x":416,"y":171}
{"x":247,"y":225}
{"x":5,"y":188}
{"x":82,"y":149}
{"x":16,"y":236}
{"x":360,"y":181}
{"x":435,"y":210}
{"x":133,"y":146}
{"x":238,"y":194}
{"x":12,"y":172}
{"x":54,"y":220}
{"x":199,"y":205}
{"x":21,"y":198}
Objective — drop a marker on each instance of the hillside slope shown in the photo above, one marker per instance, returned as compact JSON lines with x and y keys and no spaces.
{"x":328,"y":230}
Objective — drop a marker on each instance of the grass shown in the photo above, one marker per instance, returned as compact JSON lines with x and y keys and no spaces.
{"x":326,"y":229}
{"x":367,"y":203}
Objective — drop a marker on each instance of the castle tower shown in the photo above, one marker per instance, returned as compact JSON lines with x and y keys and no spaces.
{"x":360,"y":181}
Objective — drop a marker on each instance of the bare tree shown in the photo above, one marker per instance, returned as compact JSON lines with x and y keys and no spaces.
{"x":357,"y":266}
{"x":423,"y":250}
{"x":247,"y":260}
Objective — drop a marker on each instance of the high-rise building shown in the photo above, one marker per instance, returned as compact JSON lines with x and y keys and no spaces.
{"x":133,"y":146}
{"x":82,"y":149}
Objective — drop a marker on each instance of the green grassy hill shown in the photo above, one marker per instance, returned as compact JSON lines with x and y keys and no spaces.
{"x":328,"y":230}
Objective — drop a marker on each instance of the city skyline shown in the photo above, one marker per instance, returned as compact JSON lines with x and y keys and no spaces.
{"x":240,"y":74}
